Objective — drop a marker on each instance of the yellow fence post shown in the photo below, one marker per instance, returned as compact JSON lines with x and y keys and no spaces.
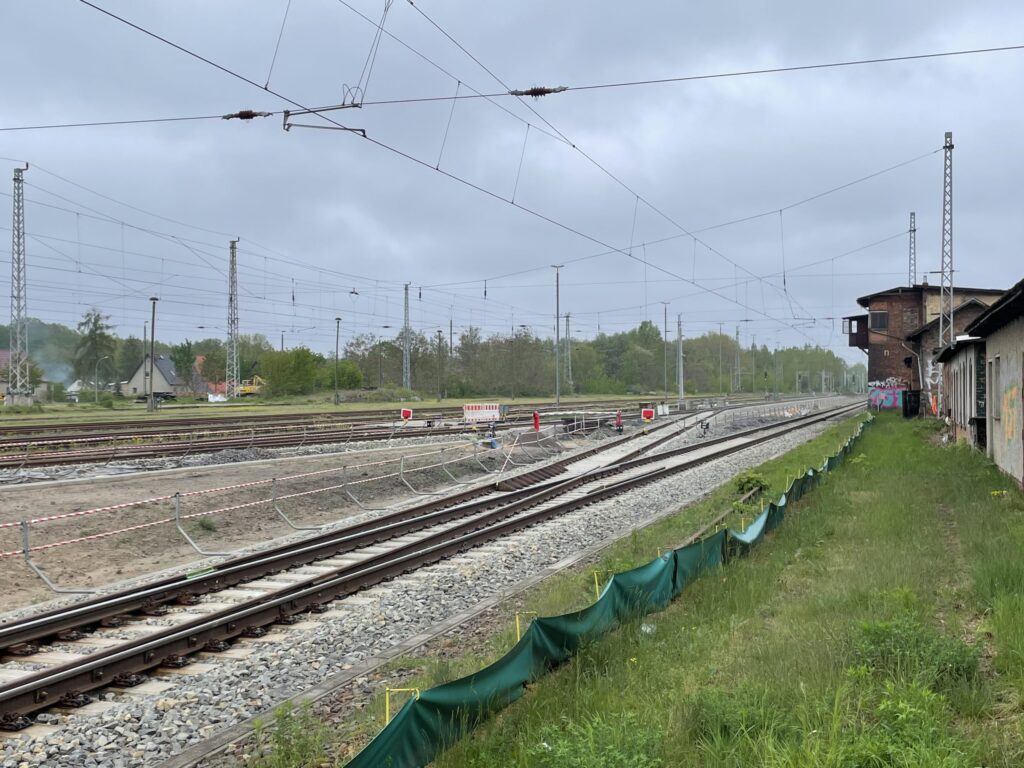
{"x":519,"y":631}
{"x":387,"y":700}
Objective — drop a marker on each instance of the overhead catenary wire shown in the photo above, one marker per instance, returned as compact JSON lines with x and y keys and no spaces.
{"x":277,"y":46}
{"x":561,"y":89}
{"x":418,"y":161}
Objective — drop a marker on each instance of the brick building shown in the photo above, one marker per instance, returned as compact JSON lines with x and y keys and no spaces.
{"x":899,"y":333}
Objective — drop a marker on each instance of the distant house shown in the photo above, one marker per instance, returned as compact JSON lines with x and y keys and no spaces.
{"x":212,"y":387}
{"x":165,"y":377}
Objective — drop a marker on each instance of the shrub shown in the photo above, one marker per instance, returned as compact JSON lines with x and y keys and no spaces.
{"x":906,"y":649}
{"x":602,"y":741}
{"x":751,"y":481}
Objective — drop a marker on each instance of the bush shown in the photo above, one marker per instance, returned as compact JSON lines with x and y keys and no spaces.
{"x":751,"y":481}
{"x":602,"y":741}
{"x":906,"y":649}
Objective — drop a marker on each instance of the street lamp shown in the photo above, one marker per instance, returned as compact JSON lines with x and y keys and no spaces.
{"x":96,"y":377}
{"x":337,"y":336}
{"x":151,"y":402}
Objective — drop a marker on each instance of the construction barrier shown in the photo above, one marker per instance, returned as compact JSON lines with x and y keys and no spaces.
{"x":435,"y":719}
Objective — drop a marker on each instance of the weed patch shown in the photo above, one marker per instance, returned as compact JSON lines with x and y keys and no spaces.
{"x":907,"y":649}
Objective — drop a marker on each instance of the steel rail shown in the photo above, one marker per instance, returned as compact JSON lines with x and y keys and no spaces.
{"x":47,"y":687}
{"x":156,"y":446}
{"x":262,"y":563}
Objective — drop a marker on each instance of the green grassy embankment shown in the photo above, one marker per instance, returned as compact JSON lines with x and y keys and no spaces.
{"x":881,"y":625}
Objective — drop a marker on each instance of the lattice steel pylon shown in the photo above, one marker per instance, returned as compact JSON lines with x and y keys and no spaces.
{"x":946,"y":334}
{"x":232,"y":379}
{"x":912,"y":254}
{"x":19,"y":383}
{"x":406,"y":345}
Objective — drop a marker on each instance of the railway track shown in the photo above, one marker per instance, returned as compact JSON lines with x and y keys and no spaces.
{"x":278,"y":585}
{"x":27,"y":447}
{"x":23,"y":447}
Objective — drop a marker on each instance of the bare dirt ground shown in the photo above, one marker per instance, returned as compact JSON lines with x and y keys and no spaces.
{"x":122,"y":556}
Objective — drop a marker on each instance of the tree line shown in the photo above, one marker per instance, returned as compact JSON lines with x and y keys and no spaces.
{"x":519,"y":364}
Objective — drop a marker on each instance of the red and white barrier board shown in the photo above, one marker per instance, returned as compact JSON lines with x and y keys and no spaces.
{"x":482,"y":413}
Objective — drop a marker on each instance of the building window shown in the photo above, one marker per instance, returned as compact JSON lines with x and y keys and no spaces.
{"x":995,"y":389}
{"x":878,"y":321}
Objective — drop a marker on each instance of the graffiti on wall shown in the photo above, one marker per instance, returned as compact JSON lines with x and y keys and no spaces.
{"x":886,"y":397}
{"x":892,"y":381}
{"x":1011,"y":398}
{"x":887,"y":393}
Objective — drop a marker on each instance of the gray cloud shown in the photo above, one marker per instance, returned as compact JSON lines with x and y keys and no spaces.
{"x":341,"y":214}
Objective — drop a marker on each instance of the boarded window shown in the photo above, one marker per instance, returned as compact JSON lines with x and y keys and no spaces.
{"x":910,"y":321}
{"x":878,"y":321}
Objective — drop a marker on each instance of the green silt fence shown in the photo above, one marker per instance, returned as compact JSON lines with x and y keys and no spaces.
{"x":438,"y":717}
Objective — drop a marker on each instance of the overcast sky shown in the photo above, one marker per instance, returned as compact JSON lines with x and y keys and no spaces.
{"x":332,"y":224}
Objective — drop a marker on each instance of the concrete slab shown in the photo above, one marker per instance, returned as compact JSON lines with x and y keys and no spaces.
{"x":148,"y":688}
{"x":196,"y":668}
{"x":45,"y":657}
{"x":93,"y":708}
{"x":35,"y":731}
{"x":234,"y":652}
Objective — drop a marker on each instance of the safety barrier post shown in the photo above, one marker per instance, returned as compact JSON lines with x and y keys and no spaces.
{"x":444,"y":466}
{"x":277,"y":508}
{"x":26,"y":552}
{"x":401,"y":476}
{"x":476,"y":457}
{"x":181,"y":530}
{"x":508,"y":456}
{"x":387,"y":699}
{"x":522,"y":614}
{"x":597,"y":583}
{"x":352,"y":496}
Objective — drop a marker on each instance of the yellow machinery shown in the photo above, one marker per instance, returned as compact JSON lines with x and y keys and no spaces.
{"x":250,"y":387}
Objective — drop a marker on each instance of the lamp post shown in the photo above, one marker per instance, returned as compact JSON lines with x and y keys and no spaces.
{"x":337,"y":336}
{"x":96,"y":377}
{"x":145,"y":368}
{"x":151,"y":402}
